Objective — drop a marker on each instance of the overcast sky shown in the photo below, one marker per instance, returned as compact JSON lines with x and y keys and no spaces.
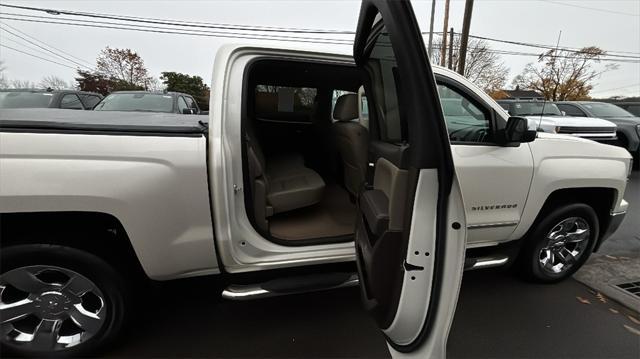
{"x":609,"y":24}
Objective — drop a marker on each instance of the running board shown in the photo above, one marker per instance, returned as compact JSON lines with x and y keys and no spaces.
{"x":485,"y":262}
{"x":291,"y":285}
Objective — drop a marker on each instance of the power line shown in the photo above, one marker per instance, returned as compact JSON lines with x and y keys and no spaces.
{"x":249,"y":28}
{"x":164,"y":30}
{"x":45,"y":49}
{"x":155,"y":29}
{"x":36,"y":56}
{"x":590,"y":8}
{"x":24,"y":45}
{"x":46,"y":44}
{"x":548,"y":47}
{"x":179,"y":22}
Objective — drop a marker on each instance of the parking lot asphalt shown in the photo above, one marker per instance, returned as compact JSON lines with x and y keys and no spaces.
{"x":498,"y":316}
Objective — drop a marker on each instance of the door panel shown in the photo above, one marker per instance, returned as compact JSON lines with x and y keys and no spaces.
{"x":493,"y":207}
{"x":402,"y":236}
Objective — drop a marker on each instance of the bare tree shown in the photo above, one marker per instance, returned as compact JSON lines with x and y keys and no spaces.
{"x":563,"y":74}
{"x":483,"y":67}
{"x":153,"y":84}
{"x":124,"y":65}
{"x":4,"y":82}
{"x":54,"y":82}
{"x":23,"y":84}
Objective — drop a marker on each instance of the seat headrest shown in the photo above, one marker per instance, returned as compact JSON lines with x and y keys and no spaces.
{"x":346,"y":107}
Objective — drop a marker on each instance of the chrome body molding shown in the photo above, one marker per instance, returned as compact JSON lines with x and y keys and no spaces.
{"x":492,"y":225}
{"x":489,"y":262}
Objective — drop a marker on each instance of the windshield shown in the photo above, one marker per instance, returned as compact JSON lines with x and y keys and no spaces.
{"x":534,"y":109}
{"x":25,"y":99}
{"x":606,"y":110}
{"x":145,"y":102}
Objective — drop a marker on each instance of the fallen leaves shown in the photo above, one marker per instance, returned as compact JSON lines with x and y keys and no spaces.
{"x":633,"y":319}
{"x":632,"y":330}
{"x":614,"y":311}
{"x":583,"y":300}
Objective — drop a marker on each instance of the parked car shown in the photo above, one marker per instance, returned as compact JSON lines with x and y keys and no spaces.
{"x":628,"y":124}
{"x":633,"y":107}
{"x":277,"y":180}
{"x":547,"y":117}
{"x":145,"y":101}
{"x":66,"y":99}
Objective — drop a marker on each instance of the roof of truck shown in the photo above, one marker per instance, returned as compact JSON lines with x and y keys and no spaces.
{"x":111,"y":122}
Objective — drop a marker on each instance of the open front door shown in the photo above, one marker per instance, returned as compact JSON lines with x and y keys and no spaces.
{"x":410,"y":237}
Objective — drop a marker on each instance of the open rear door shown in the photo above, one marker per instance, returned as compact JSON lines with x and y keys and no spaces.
{"x":411,"y":231}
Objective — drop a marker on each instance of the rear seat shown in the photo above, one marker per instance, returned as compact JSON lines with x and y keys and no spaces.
{"x":291,"y":184}
{"x":281,"y":183}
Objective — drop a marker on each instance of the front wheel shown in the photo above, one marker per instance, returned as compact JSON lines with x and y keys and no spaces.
{"x":58,"y":301}
{"x":560,"y":243}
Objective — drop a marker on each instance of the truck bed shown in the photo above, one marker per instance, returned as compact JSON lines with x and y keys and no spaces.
{"x":100,"y":122}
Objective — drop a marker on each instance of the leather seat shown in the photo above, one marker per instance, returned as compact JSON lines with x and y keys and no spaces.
{"x":281,"y":183}
{"x":291,"y":184}
{"x":352,"y":140}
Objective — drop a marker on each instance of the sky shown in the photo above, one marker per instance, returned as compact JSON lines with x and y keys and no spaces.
{"x":612,"y":25}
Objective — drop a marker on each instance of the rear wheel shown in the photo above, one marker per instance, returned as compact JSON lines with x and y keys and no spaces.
{"x":560,"y":243}
{"x":58,"y":301}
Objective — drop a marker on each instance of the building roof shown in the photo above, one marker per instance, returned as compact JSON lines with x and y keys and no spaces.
{"x":517,"y":93}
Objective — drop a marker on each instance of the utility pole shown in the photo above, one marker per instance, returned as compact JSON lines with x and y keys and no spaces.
{"x":451,"y":50}
{"x":433,"y":12}
{"x":464,"y":40}
{"x":443,"y":48}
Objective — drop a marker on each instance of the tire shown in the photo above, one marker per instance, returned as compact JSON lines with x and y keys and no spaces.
{"x":548,"y":255}
{"x":79,"y":303}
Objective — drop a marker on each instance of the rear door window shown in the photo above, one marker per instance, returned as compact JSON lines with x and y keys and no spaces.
{"x":283,"y":103}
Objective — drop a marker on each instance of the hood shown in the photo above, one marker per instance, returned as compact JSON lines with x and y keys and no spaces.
{"x":570,"y":121}
{"x":571,"y":146}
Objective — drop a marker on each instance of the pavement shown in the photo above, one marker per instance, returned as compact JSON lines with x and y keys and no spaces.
{"x":498,"y":316}
{"x":618,"y":261}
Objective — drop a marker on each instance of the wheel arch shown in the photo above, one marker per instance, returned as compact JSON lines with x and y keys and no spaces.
{"x":601,"y":199}
{"x":97,"y":233}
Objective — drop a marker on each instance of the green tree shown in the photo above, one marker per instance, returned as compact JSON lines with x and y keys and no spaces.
{"x":192,"y":85}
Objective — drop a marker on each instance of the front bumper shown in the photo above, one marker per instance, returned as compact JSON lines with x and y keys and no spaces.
{"x":612,"y":225}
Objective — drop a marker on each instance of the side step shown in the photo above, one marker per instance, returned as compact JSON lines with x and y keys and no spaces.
{"x":485,"y":262}
{"x":291,"y":285}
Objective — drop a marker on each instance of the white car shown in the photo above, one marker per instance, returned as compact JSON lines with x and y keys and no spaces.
{"x":284,"y":177}
{"x":547,"y":117}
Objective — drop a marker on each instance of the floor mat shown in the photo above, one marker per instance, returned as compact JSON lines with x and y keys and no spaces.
{"x":333,"y":216}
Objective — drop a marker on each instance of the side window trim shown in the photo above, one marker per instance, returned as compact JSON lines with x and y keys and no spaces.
{"x":478,"y":102}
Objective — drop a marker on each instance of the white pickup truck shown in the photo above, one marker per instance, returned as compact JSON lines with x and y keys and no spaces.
{"x":284,"y":175}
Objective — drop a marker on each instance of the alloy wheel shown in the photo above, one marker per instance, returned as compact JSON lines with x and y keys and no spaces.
{"x":565,"y":243}
{"x":49,"y":308}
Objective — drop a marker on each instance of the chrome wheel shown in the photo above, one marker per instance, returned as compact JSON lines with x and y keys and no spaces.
{"x":565,"y":244}
{"x":48,"y":308}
